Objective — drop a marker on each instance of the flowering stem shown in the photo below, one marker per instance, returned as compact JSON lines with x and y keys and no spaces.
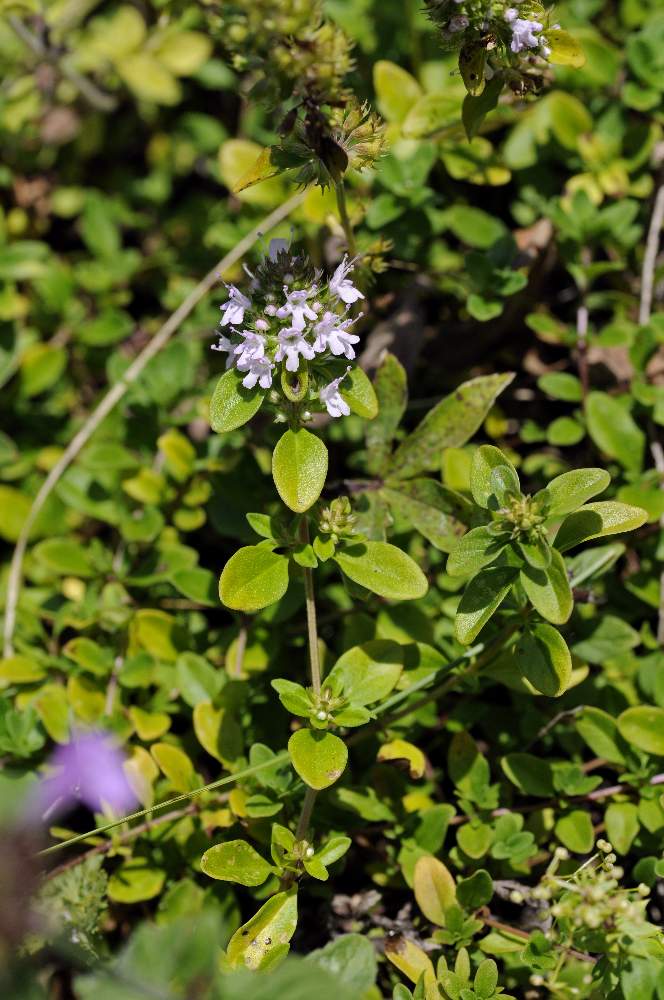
{"x":345,"y":218}
{"x":113,"y":397}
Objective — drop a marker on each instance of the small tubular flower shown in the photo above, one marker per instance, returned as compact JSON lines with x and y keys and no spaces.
{"x":341,"y":286}
{"x":292,"y":344}
{"x":233,"y":310}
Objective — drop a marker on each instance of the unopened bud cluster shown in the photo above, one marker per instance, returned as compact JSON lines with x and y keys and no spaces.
{"x":337,"y":519}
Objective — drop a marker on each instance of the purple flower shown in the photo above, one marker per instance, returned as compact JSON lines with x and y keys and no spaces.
{"x":89,"y":771}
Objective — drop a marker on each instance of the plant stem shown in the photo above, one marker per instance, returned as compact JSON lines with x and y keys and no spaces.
{"x":345,"y":218}
{"x":312,"y":627}
{"x":113,"y":397}
{"x":305,"y":815}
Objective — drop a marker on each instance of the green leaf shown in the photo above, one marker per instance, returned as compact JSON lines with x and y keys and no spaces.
{"x":575,"y":831}
{"x":544,"y":660}
{"x":235,"y":861}
{"x":430,"y":114}
{"x":391,"y":389}
{"x":20,"y":670}
{"x":384,"y":569}
{"x":64,"y":556}
{"x":359,"y":393}
{"x":548,"y":589}
{"x":486,"y":979}
{"x":299,"y":468}
{"x":600,"y":731}
{"x":450,"y":424}
{"x":253,"y":578}
{"x":476,"y":890}
{"x":643,"y":727}
{"x":486,"y":460}
{"x":367,"y":673}
{"x":402,"y":751}
{"x":565,"y":50}
{"x":232,"y":405}
{"x":351,"y":959}
{"x":430,"y":507}
{"x":614,"y":430}
{"x":176,"y":765}
{"x":196,"y":679}
{"x":475,"y":108}
{"x":622,"y":825}
{"x":396,"y":90}
{"x":318,"y":757}
{"x":473,"y":551}
{"x":333,"y":849}
{"x":561,"y":385}
{"x":480,"y":599}
{"x":434,"y":888}
{"x":293,"y":696}
{"x":135,"y":881}
{"x":530,"y":774}
{"x":597,"y":520}
{"x":267,"y":935}
{"x":569,"y":491}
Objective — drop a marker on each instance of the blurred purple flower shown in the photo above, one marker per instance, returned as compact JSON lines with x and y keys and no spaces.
{"x":89,"y":771}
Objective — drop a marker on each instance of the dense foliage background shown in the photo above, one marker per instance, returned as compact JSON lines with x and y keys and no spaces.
{"x":124,"y":129}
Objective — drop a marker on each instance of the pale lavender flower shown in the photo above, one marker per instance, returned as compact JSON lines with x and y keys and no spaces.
{"x":334,"y":402}
{"x":251,"y":349}
{"x":333,"y":334}
{"x":224,"y":344}
{"x":524,"y":31}
{"x":341,"y":286}
{"x":87,"y":771}
{"x":296,"y":306}
{"x":276,"y":247}
{"x":291,"y":345}
{"x":258,"y":370}
{"x":234,"y":308}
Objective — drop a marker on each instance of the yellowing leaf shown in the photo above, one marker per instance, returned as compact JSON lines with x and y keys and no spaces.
{"x":176,"y":766}
{"x":184,"y":52}
{"x":149,"y":79}
{"x":400,"y":752}
{"x":435,"y":889}
{"x":565,"y":50}
{"x":149,"y":725}
{"x":414,"y":963}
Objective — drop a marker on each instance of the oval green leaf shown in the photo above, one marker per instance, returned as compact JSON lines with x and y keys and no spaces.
{"x":383,"y":569}
{"x":265,"y":937}
{"x":544,"y":660}
{"x":235,"y":861}
{"x":567,"y":492}
{"x":435,"y":889}
{"x":482,"y":596}
{"x":299,"y":468}
{"x":253,"y":578}
{"x":597,"y":520}
{"x":232,"y":405}
{"x":359,"y":393}
{"x":643,"y":727}
{"x":482,"y":482}
{"x":548,"y":589}
{"x":318,"y":757}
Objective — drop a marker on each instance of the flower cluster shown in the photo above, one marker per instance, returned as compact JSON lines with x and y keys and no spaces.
{"x":496,"y":37}
{"x":293,"y":323}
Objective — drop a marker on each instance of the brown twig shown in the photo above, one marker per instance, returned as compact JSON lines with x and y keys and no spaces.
{"x":487,"y":917}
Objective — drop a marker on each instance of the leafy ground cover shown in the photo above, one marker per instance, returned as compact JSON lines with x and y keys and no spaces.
{"x":331,"y":492}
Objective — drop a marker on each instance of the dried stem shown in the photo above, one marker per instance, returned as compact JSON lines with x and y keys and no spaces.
{"x":113,"y":397}
{"x":650,"y":258}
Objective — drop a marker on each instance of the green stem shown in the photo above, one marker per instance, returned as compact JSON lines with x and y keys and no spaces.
{"x":345,"y":218}
{"x":312,"y":627}
{"x":280,"y":758}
